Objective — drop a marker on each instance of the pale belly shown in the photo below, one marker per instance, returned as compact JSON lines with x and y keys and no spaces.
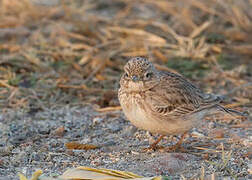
{"x":142,"y":117}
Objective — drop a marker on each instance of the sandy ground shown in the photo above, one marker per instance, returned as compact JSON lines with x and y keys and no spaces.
{"x":31,"y":140}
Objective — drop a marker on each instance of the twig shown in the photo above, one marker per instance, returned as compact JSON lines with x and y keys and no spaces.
{"x":238,"y":88}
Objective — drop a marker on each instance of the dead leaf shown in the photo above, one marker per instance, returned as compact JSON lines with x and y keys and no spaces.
{"x":217,"y":133}
{"x":245,"y":49}
{"x":150,"y":38}
{"x":106,"y":109}
{"x":35,"y":175}
{"x":101,"y":174}
{"x":76,"y":145}
{"x":160,"y":55}
{"x":59,"y":131}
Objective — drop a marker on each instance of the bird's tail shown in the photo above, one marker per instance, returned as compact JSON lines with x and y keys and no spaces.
{"x":231,"y":111}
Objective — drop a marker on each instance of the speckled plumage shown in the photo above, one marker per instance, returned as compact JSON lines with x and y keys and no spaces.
{"x":162,"y":102}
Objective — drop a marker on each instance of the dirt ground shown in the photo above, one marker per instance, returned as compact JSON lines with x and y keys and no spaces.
{"x":33,"y":141}
{"x":60,"y":64}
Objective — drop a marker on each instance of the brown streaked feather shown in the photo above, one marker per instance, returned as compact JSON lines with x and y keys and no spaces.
{"x":179,"y":96}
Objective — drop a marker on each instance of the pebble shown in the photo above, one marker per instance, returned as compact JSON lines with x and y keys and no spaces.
{"x":16,"y":151}
{"x":35,"y":156}
{"x":53,"y":143}
{"x":109,"y":143}
{"x":135,"y":153}
{"x":169,"y":162}
{"x":197,"y":134}
{"x":77,"y":134}
{"x":85,"y":140}
{"x":44,"y":130}
{"x":97,"y":120}
{"x":250,"y":168}
{"x":247,"y":142}
{"x":16,"y":140}
{"x":211,"y":125}
{"x":115,"y":127}
{"x":129,"y":131}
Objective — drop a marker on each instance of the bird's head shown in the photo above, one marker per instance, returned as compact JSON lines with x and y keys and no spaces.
{"x":139,"y":75}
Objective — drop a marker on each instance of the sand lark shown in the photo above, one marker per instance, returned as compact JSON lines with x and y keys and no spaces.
{"x":163,"y":102}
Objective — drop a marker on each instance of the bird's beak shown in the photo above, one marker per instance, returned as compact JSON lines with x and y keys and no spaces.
{"x":135,"y":78}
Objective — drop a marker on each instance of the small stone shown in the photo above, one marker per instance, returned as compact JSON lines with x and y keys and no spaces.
{"x":247,"y":142}
{"x":135,"y":153}
{"x":129,"y":131}
{"x":70,"y":152}
{"x":97,"y":120}
{"x":99,"y":132}
{"x":97,"y":162}
{"x":153,"y":154}
{"x":145,"y":142}
{"x":197,"y":134}
{"x":53,"y":143}
{"x":69,"y":124}
{"x":109,"y":143}
{"x":114,"y":127}
{"x":250,"y":168}
{"x":217,"y":133}
{"x":211,"y":125}
{"x":59,"y":131}
{"x":44,"y":130}
{"x":16,"y":140}
{"x":35,"y":156}
{"x":16,"y":151}
{"x":85,"y":140}
{"x":77,"y":134}
{"x":107,"y":149}
{"x":169,"y":162}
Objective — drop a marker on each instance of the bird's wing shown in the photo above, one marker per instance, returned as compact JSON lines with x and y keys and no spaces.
{"x":175,"y":96}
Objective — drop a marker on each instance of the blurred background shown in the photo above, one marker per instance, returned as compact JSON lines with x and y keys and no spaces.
{"x":56,"y":52}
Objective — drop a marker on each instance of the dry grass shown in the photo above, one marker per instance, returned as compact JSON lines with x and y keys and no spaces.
{"x":82,"y":44}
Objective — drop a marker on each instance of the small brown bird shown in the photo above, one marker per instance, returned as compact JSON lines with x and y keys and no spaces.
{"x":163,"y":102}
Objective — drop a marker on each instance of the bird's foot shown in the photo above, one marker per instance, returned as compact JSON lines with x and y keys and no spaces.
{"x":154,"y":146}
{"x":175,"y":148}
{"x":178,"y":146}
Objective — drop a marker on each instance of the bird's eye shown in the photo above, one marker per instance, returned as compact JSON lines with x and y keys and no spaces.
{"x":126,"y":75}
{"x":148,"y":75}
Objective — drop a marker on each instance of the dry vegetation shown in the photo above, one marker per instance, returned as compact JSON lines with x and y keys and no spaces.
{"x":68,"y":53}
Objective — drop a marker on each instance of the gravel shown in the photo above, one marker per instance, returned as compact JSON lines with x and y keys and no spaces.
{"x":36,"y":141}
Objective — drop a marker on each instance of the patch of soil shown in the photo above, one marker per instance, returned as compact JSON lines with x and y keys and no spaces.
{"x":30,"y":141}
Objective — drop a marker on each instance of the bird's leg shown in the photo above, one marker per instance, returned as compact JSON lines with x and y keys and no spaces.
{"x":154,"y":145}
{"x":178,"y":144}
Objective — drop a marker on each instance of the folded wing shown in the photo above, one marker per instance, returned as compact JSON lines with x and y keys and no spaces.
{"x":175,"y":96}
